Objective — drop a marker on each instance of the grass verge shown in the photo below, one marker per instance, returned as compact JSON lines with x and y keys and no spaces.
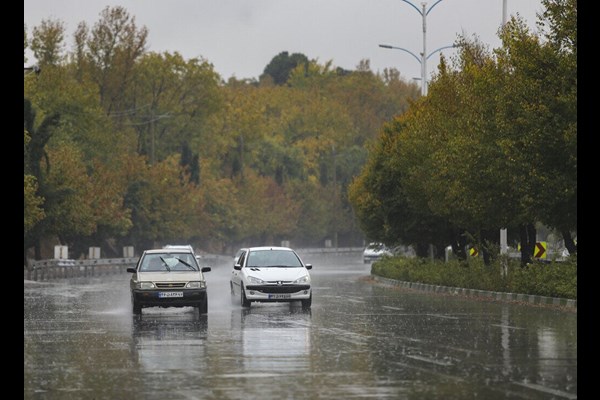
{"x":554,"y":279}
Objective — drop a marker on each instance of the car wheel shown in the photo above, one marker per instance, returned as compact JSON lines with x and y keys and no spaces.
{"x":307,"y":303}
{"x":233,"y":297}
{"x":245,"y":302}
{"x":203,"y":307}
{"x":137,"y":309}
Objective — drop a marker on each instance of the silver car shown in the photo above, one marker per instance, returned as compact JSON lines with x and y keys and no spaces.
{"x":374,"y":252}
{"x":168,"y":278}
{"x":270,"y":274}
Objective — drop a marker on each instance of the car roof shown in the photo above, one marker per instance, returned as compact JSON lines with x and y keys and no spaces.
{"x":178,"y":249}
{"x":258,"y":248}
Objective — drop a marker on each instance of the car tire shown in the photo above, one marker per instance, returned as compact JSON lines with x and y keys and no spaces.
{"x":245,"y":302}
{"x":308,"y":302}
{"x":234,"y":299}
{"x":203,"y":307}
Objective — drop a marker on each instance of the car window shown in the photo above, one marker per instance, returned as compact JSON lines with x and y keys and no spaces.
{"x":241,"y":258}
{"x":168,"y":262}
{"x":272,"y":258}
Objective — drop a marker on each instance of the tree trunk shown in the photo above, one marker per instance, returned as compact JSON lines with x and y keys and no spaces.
{"x":37,"y":249}
{"x":486,"y":243}
{"x":440,"y":251}
{"x":458,"y":246}
{"x":422,"y":250}
{"x":569,"y":242}
{"x":527,"y":235}
{"x":27,"y":264}
{"x":487,"y":259}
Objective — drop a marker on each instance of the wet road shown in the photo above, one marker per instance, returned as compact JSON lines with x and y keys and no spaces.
{"x":360,"y":340}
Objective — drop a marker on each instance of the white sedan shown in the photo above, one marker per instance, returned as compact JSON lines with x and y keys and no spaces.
{"x":270,"y":274}
{"x":374,"y":251}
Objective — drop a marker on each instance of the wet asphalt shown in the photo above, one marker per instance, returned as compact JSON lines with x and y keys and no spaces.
{"x":359,"y":340}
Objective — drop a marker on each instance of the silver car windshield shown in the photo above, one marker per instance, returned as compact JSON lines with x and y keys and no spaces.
{"x":273,"y":258}
{"x":168,"y":262}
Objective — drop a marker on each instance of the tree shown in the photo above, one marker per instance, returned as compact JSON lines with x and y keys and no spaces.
{"x":165,"y":206}
{"x":281,"y":65}
{"x":541,"y":100}
{"x":492,"y":145}
{"x":47,"y":42}
{"x":171,"y":102}
{"x":381,"y":201}
{"x":25,"y":42}
{"x":38,"y":138}
{"x":112,"y":48}
{"x":32,"y":210}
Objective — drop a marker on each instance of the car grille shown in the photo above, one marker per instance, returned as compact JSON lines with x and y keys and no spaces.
{"x":278,"y":288}
{"x":170,"y":285}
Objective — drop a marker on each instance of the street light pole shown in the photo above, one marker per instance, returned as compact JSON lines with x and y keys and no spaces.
{"x":423,"y":59}
{"x":503,"y":232}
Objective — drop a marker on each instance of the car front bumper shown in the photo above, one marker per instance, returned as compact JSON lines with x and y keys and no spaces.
{"x":150,"y":298}
{"x":277,"y":293}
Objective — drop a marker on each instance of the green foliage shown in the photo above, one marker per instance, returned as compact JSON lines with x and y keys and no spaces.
{"x":25,"y":42}
{"x":556,"y":279}
{"x":47,"y":42}
{"x":170,"y":104}
{"x":107,"y":55}
{"x":492,"y":146}
{"x":282,"y":64}
{"x":145,"y":147}
{"x":164,"y":207}
{"x":32,"y":209}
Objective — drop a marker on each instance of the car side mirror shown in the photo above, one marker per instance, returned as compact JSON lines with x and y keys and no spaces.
{"x":238,"y":267}
{"x":308,"y":266}
{"x":132,"y":270}
{"x":205,"y":269}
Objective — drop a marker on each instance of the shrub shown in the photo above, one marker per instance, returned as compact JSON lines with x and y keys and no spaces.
{"x":555,"y":279}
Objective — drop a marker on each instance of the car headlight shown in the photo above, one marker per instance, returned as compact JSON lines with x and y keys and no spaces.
{"x":196,"y":285}
{"x":304,"y":279}
{"x":146,"y":285}
{"x":255,"y":281}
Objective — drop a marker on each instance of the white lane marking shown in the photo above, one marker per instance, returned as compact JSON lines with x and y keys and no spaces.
{"x":506,"y":326}
{"x":545,"y":389}
{"x":441,"y":316}
{"x":431,"y":360}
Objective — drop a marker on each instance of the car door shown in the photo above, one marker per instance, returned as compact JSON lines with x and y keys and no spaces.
{"x":236,"y":274}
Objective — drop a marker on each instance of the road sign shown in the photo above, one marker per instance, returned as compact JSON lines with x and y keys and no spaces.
{"x":473,"y":252}
{"x":540,"y":250}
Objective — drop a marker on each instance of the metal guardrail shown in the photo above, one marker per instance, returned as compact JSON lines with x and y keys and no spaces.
{"x":331,"y":250}
{"x":44,"y":270}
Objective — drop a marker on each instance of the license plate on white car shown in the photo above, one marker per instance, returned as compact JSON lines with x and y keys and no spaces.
{"x":280,"y":296}
{"x":162,"y":295}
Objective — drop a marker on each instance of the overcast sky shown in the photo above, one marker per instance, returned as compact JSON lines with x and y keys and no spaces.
{"x":240,"y":37}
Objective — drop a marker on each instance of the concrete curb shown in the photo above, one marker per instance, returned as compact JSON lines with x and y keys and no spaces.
{"x":501,"y":296}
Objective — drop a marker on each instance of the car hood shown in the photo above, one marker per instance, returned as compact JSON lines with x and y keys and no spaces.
{"x":173,"y":276}
{"x":276,"y":273}
{"x":376,"y":252}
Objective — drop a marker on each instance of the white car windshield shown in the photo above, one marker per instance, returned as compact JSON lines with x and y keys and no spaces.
{"x":272,"y":258}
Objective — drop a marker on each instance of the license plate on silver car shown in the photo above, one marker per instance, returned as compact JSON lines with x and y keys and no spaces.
{"x":280,"y":296}
{"x":169,"y":294}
